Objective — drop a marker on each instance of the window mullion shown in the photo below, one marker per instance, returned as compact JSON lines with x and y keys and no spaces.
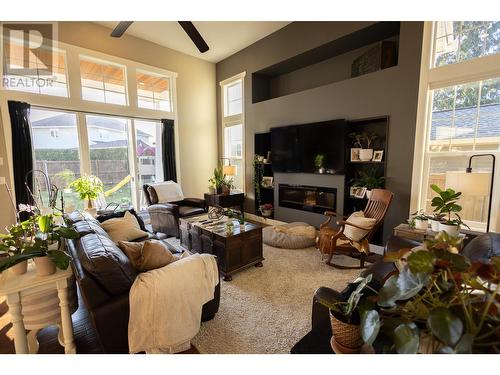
{"x":83,"y":140}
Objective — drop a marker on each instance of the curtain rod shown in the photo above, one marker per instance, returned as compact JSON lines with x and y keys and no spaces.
{"x":94,"y":113}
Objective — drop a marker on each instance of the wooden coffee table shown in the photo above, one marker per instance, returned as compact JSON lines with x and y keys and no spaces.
{"x":236,"y":250}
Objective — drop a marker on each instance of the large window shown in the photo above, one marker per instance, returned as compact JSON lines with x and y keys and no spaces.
{"x":56,"y":149}
{"x":232,"y":94}
{"x":457,"y":41}
{"x":153,"y":91}
{"x":462,"y":118}
{"x":103,"y":82}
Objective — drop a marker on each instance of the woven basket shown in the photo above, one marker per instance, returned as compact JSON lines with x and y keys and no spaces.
{"x":348,"y":335}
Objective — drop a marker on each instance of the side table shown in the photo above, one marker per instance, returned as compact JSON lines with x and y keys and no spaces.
{"x":420,"y":235}
{"x":226,"y":201}
{"x":36,"y":302}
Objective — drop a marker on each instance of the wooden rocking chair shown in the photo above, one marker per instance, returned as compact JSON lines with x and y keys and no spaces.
{"x":333,"y":241}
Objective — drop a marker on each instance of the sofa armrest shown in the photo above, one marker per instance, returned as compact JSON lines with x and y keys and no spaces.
{"x":193,"y":202}
{"x":166,"y":208}
{"x":321,"y":313}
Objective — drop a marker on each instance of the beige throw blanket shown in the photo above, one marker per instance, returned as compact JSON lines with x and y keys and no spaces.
{"x":166,"y":303}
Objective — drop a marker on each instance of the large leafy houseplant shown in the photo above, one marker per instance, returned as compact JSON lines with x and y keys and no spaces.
{"x":367,"y":177}
{"x":35,"y":237}
{"x":89,"y":187}
{"x":439,"y":302}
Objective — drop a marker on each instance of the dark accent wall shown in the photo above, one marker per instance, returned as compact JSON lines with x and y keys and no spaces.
{"x":392,"y":92}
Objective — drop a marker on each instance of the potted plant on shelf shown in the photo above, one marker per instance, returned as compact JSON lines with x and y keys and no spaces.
{"x":420,"y":220}
{"x":345,"y":319}
{"x":445,"y":203}
{"x":439,"y":302}
{"x":319,"y":163}
{"x":364,"y":142}
{"x":368,"y":178}
{"x":217,"y":180}
{"x":227,"y":185}
{"x":266,"y":209}
{"x":89,"y":187}
{"x":38,"y":238}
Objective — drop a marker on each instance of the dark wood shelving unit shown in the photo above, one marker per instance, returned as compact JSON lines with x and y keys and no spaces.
{"x":262,"y":146}
{"x":379,"y":126}
{"x":379,"y":41}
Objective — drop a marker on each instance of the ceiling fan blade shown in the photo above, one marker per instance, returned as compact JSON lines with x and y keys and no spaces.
{"x":120,"y":29}
{"x":195,"y":36}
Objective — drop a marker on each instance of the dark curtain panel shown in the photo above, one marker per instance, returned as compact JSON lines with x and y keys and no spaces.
{"x":168,"y":149}
{"x":22,"y":151}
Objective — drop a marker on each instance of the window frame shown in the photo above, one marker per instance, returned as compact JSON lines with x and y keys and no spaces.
{"x":433,"y":78}
{"x":232,"y":120}
{"x":153,"y":74}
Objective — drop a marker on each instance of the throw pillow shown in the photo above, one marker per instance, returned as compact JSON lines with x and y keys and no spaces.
{"x":153,"y":197}
{"x":124,"y":228}
{"x":103,"y":218}
{"x":148,"y":255}
{"x":358,"y":218}
{"x":168,"y":191}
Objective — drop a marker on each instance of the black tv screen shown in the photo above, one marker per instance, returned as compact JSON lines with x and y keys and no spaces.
{"x":294,"y":148}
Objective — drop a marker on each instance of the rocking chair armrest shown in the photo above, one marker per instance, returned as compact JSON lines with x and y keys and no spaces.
{"x":330,"y":213}
{"x":343,"y":223}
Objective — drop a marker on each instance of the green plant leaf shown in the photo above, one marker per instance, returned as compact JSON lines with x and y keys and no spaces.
{"x":44,"y":223}
{"x":421,"y":261}
{"x":18,"y":258}
{"x":456,"y":262}
{"x":401,"y":287}
{"x":60,"y":258}
{"x":446,"y":326}
{"x":389,"y":293}
{"x":406,"y":338}
{"x":66,"y":232}
{"x":370,"y":326}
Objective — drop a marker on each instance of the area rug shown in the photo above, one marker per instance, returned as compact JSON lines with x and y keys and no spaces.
{"x":268,"y":309}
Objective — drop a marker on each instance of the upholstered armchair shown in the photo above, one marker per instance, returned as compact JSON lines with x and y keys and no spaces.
{"x":165,"y":215}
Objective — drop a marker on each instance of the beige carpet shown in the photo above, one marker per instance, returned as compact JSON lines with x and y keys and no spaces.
{"x":268,"y":309}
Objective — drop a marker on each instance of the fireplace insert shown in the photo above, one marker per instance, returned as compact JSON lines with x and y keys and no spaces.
{"x":308,"y":198}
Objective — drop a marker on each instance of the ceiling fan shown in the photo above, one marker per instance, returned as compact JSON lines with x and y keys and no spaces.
{"x":188,"y":27}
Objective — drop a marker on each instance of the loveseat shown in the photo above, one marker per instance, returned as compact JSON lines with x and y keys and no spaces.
{"x":317,"y":341}
{"x":105,"y":275}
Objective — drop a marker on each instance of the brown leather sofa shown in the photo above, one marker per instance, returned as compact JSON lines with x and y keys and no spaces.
{"x":165,"y":216}
{"x":317,"y":341}
{"x":104,"y":276}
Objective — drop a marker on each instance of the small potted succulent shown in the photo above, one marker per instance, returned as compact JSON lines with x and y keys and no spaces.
{"x":89,"y":187}
{"x":364,"y":141}
{"x":345,"y":319}
{"x":434,"y":220}
{"x":445,"y":203}
{"x":266,"y":209}
{"x":420,"y":220}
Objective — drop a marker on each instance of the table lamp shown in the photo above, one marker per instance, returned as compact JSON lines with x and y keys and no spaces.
{"x":229,"y":170}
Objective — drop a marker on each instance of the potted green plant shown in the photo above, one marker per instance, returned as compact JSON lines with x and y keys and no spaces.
{"x":266,"y":209}
{"x":420,"y":220}
{"x":227,"y":185}
{"x":345,"y":319}
{"x":368,"y":178}
{"x":319,"y":163}
{"x":446,"y":203}
{"x":38,"y":238}
{"x":89,"y":187}
{"x":364,"y":142}
{"x":439,"y":302}
{"x":218,"y":179}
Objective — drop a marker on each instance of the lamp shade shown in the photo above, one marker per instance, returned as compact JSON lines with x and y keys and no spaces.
{"x":229,"y":170}
{"x":470,"y":184}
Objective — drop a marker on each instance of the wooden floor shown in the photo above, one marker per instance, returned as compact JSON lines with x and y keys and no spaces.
{"x":86,"y":340}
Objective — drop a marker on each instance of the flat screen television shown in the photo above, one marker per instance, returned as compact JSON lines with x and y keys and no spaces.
{"x":294,"y":148}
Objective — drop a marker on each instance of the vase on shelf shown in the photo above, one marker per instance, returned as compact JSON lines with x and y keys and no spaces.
{"x":20,"y":268}
{"x":366,"y":154}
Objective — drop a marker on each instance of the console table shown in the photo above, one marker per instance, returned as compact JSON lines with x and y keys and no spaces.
{"x":36,"y":302}
{"x":226,"y":201}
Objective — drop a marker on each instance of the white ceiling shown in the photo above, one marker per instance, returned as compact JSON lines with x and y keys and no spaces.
{"x":223,"y":38}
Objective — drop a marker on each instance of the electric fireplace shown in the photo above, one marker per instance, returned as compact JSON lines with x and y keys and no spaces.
{"x":308,"y":198}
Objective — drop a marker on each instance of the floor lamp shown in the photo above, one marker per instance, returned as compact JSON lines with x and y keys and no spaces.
{"x":469,"y":170}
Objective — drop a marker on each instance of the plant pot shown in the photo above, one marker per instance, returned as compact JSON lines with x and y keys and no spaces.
{"x":219,"y":190}
{"x":20,"y":268}
{"x":211,"y":190}
{"x":321,"y":170}
{"x":421,"y":224}
{"x":348,"y":336}
{"x":452,"y":230}
{"x":366,"y":154}
{"x":44,"y":266}
{"x":226,"y":190}
{"x":266,"y":213}
{"x":368,"y":194}
{"x":434,"y":225}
